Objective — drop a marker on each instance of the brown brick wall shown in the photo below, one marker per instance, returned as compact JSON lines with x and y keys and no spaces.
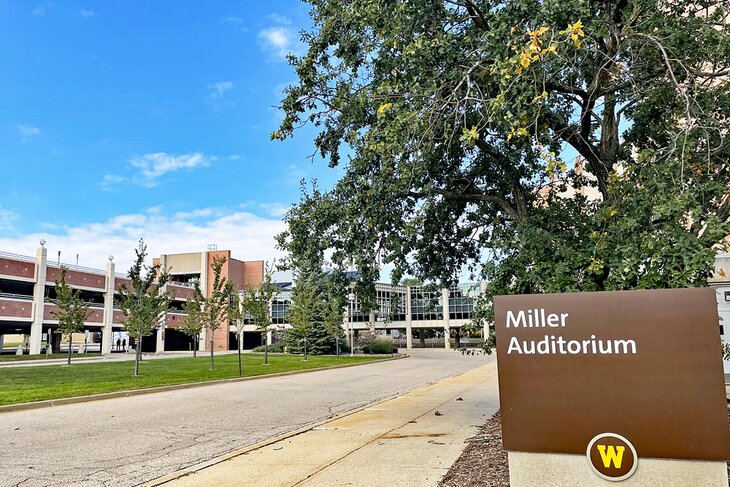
{"x":94,"y":315}
{"x":76,"y":278}
{"x":173,"y":320}
{"x":221,"y":337}
{"x":119,"y":281}
{"x":17,"y":268}
{"x":19,"y":309}
{"x":253,"y":272}
{"x":180,"y":292}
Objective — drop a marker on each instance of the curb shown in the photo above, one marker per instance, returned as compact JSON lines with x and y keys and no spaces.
{"x":274,"y":439}
{"x":151,"y":390}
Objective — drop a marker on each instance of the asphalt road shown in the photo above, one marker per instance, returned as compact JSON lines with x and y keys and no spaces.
{"x":128,"y":441}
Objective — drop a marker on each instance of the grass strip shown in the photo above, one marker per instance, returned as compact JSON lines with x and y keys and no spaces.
{"x":29,"y":384}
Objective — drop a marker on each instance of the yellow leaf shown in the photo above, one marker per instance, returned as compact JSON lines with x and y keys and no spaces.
{"x":525,"y":59}
{"x":541,"y":96}
{"x":470,"y":136}
{"x":382,"y":108}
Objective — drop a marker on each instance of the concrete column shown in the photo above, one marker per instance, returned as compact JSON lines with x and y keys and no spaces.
{"x":422,"y":337}
{"x":107,"y":335}
{"x":447,"y":323}
{"x":409,"y":321}
{"x":36,"y":328}
{"x":2,"y":342}
{"x":268,"y":337}
{"x":160,"y":346}
{"x":49,"y":341}
{"x":203,"y":340}
{"x":371,"y":320}
{"x":204,"y":273}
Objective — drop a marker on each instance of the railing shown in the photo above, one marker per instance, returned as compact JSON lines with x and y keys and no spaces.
{"x":182,"y":284}
{"x":26,"y":258}
{"x":90,"y":303}
{"x":16,"y":296}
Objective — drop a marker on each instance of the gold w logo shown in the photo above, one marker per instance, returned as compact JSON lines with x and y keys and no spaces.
{"x":611,"y":454}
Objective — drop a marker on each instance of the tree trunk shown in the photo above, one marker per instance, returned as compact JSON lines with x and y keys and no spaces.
{"x":69,"y":348}
{"x":266,"y":346}
{"x":195,"y":346}
{"x":240,"y":367}
{"x":212,"y":363}
{"x":137,"y":354}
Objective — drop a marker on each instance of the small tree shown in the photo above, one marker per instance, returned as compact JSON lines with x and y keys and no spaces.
{"x":333,"y":306}
{"x":257,"y":302}
{"x":303,"y":312}
{"x":306,"y":315}
{"x":238,"y":314}
{"x":72,"y":310}
{"x":143,"y":303}
{"x":217,"y":309}
{"x":192,"y":324}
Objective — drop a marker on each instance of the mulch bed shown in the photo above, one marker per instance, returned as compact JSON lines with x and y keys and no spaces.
{"x":484,"y":463}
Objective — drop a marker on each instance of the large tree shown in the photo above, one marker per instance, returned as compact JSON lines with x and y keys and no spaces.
{"x":144,"y":301}
{"x":71,"y":310}
{"x":546,"y":146}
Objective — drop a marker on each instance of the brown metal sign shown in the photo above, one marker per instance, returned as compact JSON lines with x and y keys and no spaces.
{"x":644,"y":365}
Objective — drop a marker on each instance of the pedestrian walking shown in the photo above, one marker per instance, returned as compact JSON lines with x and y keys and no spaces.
{"x":118,"y":343}
{"x":124,"y":345}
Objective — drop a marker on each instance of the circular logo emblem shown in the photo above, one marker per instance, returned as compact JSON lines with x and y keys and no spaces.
{"x":612,"y":457}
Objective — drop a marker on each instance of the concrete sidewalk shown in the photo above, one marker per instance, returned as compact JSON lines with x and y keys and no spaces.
{"x":399,"y":442}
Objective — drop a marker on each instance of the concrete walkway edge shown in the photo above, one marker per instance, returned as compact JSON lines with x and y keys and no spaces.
{"x":190,"y":385}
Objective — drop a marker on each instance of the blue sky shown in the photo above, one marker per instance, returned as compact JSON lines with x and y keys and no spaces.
{"x":129,"y":119}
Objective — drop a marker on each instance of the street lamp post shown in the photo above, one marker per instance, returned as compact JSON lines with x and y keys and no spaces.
{"x":350,"y":323}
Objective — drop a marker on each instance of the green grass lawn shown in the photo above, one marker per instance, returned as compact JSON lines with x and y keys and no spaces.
{"x":42,"y":356}
{"x":28,"y":384}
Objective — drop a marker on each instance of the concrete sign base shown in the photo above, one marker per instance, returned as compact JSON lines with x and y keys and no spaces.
{"x":558,"y":470}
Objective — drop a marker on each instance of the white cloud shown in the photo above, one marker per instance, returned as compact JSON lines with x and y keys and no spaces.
{"x":234,"y":21}
{"x":275,"y":209}
{"x":218,"y":90}
{"x":280,"y":41}
{"x":87,"y":13}
{"x":156,"y":164}
{"x":28,"y":131}
{"x":294,"y":175}
{"x":110,"y":181}
{"x":7,"y":219}
{"x":39,"y":11}
{"x":249,"y":237}
{"x":279,"y":19}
